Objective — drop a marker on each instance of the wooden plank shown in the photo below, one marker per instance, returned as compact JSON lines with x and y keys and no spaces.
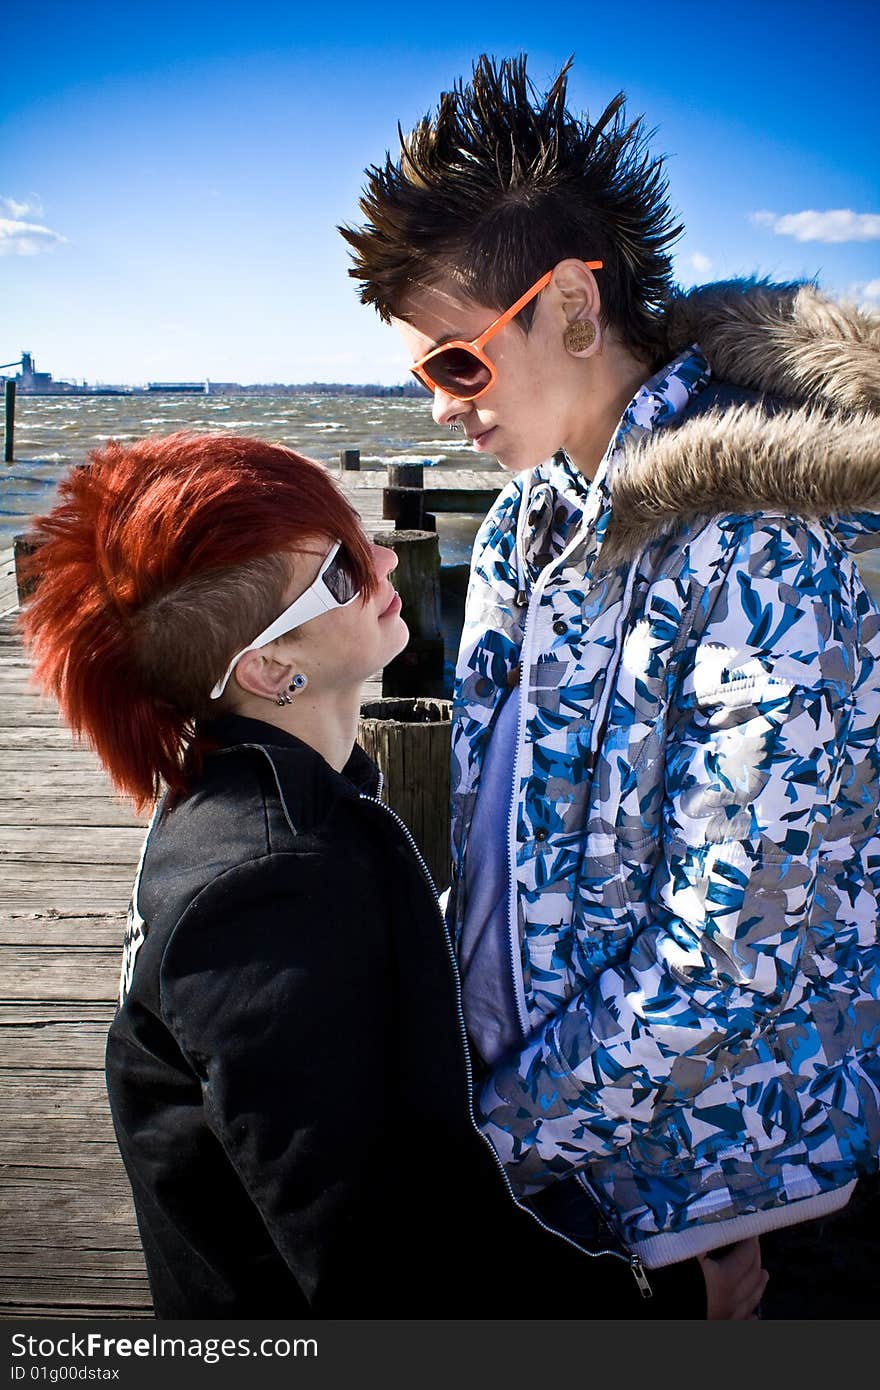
{"x":89,"y":1200}
{"x":54,"y":1046}
{"x":40,"y":1299}
{"x":67,"y":1141}
{"x":41,"y":929}
{"x":86,"y":809}
{"x":82,"y":779}
{"x":71,"y":897}
{"x":84,"y":1097}
{"x":50,"y":1011}
{"x":54,"y":972}
{"x":95,"y":845}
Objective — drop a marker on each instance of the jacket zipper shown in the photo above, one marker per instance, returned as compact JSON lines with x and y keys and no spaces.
{"x":524,"y":600}
{"x":631,"y":1259}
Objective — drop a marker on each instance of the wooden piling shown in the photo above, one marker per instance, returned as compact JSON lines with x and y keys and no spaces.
{"x":9,"y":421}
{"x":409,"y":740}
{"x":22,"y":547}
{"x":419,"y":669}
{"x":350,"y":460}
{"x":403,"y":500}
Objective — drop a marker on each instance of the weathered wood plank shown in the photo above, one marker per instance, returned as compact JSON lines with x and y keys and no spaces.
{"x":53,"y":972}
{"x":41,"y":929}
{"x":83,"y":809}
{"x":49,"y":1011}
{"x":66,"y":1142}
{"x":43,"y":1299}
{"x":53,"y":1046}
{"x":80,"y":780}
{"x":84,"y":1096}
{"x":70,"y":897}
{"x":96,"y":1208}
{"x":95,"y":844}
{"x":104,"y":1292}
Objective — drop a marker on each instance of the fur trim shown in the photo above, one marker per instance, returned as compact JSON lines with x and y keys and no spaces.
{"x":821,"y":456}
{"x":786,"y":340}
{"x":806,"y":462}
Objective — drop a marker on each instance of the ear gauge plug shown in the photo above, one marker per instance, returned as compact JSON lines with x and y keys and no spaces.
{"x":579,"y":335}
{"x":298,"y":683}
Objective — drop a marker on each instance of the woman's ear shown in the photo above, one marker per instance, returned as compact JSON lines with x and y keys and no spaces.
{"x":577,"y":294}
{"x":261,"y":673}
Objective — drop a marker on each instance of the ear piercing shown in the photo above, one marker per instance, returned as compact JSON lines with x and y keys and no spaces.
{"x":298,"y":683}
{"x":579,"y":335}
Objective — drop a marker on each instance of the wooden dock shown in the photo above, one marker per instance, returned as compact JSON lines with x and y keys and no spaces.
{"x":68,"y":1241}
{"x":69,"y":1245}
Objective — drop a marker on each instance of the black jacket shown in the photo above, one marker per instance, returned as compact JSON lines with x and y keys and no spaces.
{"x":288,"y":1071}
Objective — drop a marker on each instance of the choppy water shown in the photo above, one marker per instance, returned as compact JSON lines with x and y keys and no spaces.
{"x":54,"y":432}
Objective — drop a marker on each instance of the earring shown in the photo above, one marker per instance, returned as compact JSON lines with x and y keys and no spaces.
{"x":283,"y":699}
{"x":579,"y":335}
{"x":298,"y":683}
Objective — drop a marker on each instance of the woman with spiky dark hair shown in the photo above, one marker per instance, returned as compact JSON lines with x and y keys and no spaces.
{"x":665,"y":748}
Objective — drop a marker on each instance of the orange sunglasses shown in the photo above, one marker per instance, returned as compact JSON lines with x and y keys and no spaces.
{"x":463,"y":370}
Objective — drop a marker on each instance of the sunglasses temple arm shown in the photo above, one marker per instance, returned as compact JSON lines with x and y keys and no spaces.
{"x":513,"y":310}
{"x":522,"y":302}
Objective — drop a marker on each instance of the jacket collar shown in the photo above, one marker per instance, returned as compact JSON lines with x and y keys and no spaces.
{"x":235,"y":730}
{"x":803,"y":440}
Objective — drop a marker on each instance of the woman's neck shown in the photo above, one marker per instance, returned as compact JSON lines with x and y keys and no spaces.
{"x":615,"y":377}
{"x":329,"y":726}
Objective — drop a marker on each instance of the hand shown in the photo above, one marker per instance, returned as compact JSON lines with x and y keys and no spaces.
{"x":735,"y":1281}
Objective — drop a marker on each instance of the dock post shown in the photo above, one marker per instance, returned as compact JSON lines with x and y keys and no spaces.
{"x":9,"y":421}
{"x":350,"y":460}
{"x":409,"y":741}
{"x":22,"y":547}
{"x":419,"y":668}
{"x":403,"y":500}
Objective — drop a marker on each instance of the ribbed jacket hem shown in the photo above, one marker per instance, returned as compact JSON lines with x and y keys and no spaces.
{"x":667,"y":1249}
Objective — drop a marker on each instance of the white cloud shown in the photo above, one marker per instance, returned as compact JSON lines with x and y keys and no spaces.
{"x":11,"y":207}
{"x":700,"y":262}
{"x":837,"y":224}
{"x":865,"y":294}
{"x":19,"y":238}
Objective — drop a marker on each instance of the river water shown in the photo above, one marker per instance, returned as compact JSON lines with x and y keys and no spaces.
{"x":53,"y":432}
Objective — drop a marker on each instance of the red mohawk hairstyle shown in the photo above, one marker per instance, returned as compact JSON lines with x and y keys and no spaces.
{"x":158,"y":562}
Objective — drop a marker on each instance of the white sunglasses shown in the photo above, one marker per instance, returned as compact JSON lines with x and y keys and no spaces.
{"x":333,"y":587}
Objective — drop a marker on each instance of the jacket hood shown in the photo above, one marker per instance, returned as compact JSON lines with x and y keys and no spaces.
{"x":808,"y":443}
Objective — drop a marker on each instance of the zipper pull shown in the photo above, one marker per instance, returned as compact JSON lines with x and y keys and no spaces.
{"x":521,"y":598}
{"x":641,"y":1277}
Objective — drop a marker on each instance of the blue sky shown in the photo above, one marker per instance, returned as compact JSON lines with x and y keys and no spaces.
{"x":171,"y":175}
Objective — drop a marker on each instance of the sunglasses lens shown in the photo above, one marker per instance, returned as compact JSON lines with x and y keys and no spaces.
{"x":338,"y":577}
{"x":458,"y":371}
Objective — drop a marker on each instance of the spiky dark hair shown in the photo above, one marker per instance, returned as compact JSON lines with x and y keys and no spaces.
{"x":501,"y":185}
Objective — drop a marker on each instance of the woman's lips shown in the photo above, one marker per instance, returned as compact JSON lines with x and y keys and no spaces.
{"x":481,"y":441}
{"x":393,"y":606}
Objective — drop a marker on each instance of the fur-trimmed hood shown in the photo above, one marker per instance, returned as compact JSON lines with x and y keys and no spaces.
{"x":816,"y":453}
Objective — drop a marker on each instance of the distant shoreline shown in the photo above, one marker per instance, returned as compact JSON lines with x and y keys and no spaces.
{"x":315,"y":388}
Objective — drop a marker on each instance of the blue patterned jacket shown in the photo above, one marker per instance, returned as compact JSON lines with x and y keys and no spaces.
{"x":694,"y":853}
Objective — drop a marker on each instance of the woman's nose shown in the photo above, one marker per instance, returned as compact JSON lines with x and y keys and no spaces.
{"x":384,"y":560}
{"x":446,"y":410}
